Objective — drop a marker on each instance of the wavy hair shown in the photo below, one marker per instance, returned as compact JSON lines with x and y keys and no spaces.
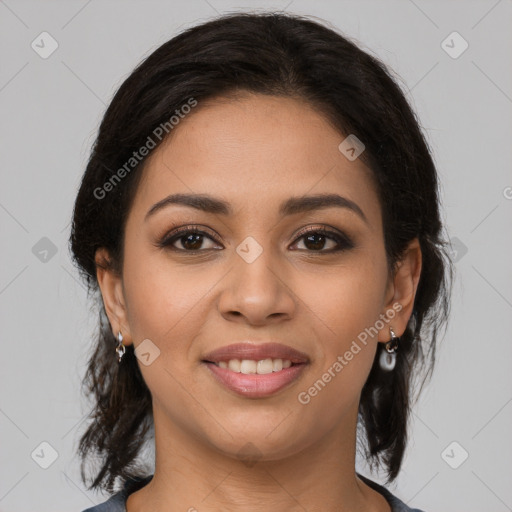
{"x":283,"y":55}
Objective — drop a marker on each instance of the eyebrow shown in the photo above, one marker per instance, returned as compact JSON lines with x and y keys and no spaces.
{"x":291,"y":206}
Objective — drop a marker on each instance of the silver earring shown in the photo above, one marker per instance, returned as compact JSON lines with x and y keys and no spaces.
{"x":387,"y":359}
{"x":120,"y":349}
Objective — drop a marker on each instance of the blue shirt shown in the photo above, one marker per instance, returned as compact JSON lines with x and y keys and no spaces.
{"x":117,"y":502}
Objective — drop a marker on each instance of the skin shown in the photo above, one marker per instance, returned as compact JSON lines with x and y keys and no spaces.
{"x":255,"y":152}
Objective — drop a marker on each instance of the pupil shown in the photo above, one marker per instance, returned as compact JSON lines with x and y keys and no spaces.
{"x":319,"y":244}
{"x":192,"y":241}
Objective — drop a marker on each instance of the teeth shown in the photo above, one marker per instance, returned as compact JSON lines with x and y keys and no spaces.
{"x":249,"y":366}
{"x":265,"y":366}
{"x":234,"y":365}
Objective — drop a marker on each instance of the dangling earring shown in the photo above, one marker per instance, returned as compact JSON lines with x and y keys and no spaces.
{"x":387,"y":359}
{"x":120,"y":349}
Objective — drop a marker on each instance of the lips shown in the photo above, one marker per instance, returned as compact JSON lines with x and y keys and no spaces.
{"x":282,"y":364}
{"x":256,"y":352}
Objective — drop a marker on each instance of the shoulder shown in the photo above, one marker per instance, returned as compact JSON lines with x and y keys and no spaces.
{"x":117,"y":502}
{"x":396,"y":504}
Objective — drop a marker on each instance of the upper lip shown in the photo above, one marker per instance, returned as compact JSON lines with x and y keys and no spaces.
{"x":257,"y":352}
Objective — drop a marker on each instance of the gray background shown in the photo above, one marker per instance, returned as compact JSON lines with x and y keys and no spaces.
{"x":51,"y":109}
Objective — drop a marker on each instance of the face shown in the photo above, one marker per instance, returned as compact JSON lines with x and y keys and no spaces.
{"x":256,"y":269}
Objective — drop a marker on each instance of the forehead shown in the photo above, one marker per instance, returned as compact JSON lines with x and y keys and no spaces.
{"x":255,"y":150}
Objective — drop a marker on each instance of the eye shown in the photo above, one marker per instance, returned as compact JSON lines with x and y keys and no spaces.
{"x":190,"y":238}
{"x":317,"y":238}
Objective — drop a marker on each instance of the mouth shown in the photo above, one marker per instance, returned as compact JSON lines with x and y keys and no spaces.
{"x":254,"y":367}
{"x":254,"y":385}
{"x":256,"y":371}
{"x":248,"y":352}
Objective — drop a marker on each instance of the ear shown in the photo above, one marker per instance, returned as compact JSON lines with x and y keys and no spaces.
{"x":401,"y":291}
{"x":111,"y":286}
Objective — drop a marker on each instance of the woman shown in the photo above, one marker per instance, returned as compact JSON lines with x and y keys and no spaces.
{"x":260,"y":219}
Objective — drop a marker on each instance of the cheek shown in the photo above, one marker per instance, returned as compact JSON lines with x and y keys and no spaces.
{"x":166,"y":306}
{"x":162,"y":301}
{"x":345,"y":300}
{"x":343,"y":308}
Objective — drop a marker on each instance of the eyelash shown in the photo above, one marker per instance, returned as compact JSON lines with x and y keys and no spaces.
{"x":343,"y":241}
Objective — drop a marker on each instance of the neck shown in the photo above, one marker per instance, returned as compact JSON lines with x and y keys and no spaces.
{"x":194,"y":476}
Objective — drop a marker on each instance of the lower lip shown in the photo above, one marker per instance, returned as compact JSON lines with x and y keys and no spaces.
{"x":254,"y":385}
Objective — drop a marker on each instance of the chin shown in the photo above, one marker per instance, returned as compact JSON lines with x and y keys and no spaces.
{"x":258,"y":443}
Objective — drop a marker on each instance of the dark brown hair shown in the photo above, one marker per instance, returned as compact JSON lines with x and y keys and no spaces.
{"x":273,"y":54}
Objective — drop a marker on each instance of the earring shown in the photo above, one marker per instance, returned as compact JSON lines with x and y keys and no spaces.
{"x":120,"y":349}
{"x":387,"y":359}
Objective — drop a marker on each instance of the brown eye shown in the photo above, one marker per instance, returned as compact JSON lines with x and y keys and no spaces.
{"x":317,"y":239}
{"x":190,"y":240}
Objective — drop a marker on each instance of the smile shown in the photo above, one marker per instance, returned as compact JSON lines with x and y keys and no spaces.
{"x":250,"y":366}
{"x":255,"y":379}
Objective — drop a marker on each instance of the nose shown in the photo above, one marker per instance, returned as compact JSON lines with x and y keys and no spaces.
{"x":257,"y":293}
